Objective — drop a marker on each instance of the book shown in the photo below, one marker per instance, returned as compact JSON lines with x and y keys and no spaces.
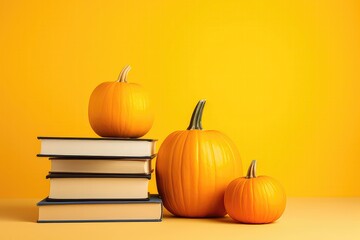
{"x":101,"y":211}
{"x":95,"y":165}
{"x":69,"y":186}
{"x":96,"y":147}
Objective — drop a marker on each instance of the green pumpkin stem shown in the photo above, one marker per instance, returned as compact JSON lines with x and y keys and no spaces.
{"x":123,"y":75}
{"x":252,"y":170}
{"x":195,"y":122}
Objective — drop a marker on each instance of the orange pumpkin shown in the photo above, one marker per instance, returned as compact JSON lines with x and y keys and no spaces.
{"x":254,"y":199}
{"x":120,"y":109}
{"x":193,"y":169}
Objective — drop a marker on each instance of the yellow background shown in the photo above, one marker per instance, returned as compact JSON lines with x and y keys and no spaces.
{"x":281,"y":78}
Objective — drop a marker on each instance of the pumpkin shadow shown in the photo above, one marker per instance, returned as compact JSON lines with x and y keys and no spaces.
{"x":18,"y":212}
{"x":228,"y":220}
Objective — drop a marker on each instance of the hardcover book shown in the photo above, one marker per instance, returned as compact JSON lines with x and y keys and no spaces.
{"x":98,"y":186}
{"x":101,"y":211}
{"x":96,"y":147}
{"x":104,"y":165}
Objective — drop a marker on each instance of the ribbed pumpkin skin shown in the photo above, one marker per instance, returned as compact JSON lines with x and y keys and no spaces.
{"x":193,"y":169}
{"x":120,"y":109}
{"x":255,"y":200}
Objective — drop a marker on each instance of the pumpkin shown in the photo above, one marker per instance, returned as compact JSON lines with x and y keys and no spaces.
{"x":253,"y":199}
{"x":120,"y":109}
{"x":194,"y":167}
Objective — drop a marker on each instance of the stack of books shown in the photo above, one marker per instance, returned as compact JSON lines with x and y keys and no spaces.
{"x":99,"y":179}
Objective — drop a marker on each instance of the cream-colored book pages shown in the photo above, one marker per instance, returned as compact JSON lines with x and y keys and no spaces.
{"x":88,"y":147}
{"x":122,"y":166}
{"x":98,"y":188}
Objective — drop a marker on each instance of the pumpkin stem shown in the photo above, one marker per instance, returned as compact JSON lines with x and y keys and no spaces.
{"x":252,"y":170}
{"x":195,"y":122}
{"x":123,"y":75}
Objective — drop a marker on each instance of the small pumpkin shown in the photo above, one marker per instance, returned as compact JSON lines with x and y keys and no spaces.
{"x":120,"y":109}
{"x":253,"y":199}
{"x":194,"y":167}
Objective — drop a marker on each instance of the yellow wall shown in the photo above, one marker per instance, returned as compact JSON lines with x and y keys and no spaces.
{"x":281,"y":78}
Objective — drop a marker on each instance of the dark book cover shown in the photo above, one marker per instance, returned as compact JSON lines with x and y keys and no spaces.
{"x":153,"y":198}
{"x":88,"y":157}
{"x":115,"y":158}
{"x":96,"y":175}
{"x":99,"y":138}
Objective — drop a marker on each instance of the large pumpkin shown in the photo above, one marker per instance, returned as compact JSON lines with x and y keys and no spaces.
{"x":193,"y":169}
{"x":253,"y":199}
{"x":120,"y":109}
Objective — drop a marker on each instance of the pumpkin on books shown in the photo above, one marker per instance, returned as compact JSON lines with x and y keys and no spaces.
{"x":120,"y":109}
{"x":253,"y":199}
{"x":194,"y":167}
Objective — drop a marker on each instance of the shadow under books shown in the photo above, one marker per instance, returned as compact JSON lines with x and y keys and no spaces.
{"x":20,"y":211}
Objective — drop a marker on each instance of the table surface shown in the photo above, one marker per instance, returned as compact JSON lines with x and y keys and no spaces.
{"x":304,"y":218}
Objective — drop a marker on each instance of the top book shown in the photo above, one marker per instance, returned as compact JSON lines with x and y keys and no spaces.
{"x":96,"y":147}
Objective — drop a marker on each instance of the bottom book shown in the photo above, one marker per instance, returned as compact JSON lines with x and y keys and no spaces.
{"x":101,"y":211}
